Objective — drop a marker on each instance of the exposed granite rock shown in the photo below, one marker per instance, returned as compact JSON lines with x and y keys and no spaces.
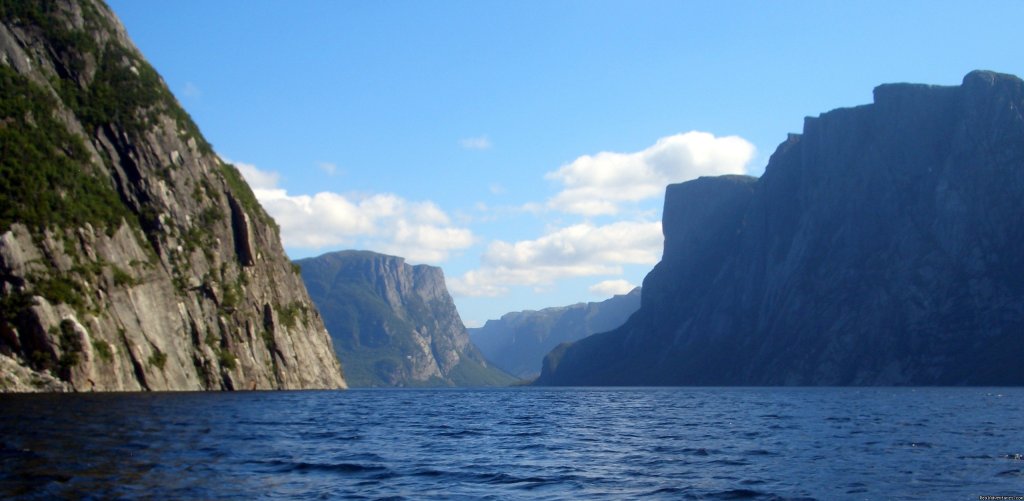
{"x":881,"y":247}
{"x":518,"y":341}
{"x":394,"y":324}
{"x":131,"y":256}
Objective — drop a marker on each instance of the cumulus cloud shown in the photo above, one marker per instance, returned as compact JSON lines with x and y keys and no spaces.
{"x":475,"y":143}
{"x":575,"y":251}
{"x":418,"y":231}
{"x":611,"y":288}
{"x":621,"y":242}
{"x":257,"y":179}
{"x":599,"y":184}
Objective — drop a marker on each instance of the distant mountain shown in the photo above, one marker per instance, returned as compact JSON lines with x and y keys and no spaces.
{"x":884,"y":246}
{"x":394,"y":324}
{"x":518,"y":341}
{"x":131,"y":256}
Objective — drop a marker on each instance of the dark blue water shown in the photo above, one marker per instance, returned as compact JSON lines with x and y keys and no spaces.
{"x":683,"y":443}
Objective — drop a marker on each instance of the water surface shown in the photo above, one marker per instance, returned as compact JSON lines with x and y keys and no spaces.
{"x":672,"y":443}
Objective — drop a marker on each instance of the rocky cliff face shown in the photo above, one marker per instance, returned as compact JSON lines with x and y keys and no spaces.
{"x":394,"y":324}
{"x":131,"y":256}
{"x":518,"y":341}
{"x":883,"y":246}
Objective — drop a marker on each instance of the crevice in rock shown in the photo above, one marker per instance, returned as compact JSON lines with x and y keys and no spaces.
{"x":242,"y":228}
{"x":140,"y":372}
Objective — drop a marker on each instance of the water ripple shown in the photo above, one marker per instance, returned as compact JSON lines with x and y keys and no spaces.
{"x":660,"y":443}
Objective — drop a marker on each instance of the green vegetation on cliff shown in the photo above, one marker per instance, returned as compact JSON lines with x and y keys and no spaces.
{"x":123,"y":90}
{"x":46,"y":179}
{"x":92,"y":141}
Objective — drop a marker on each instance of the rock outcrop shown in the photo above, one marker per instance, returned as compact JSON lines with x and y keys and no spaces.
{"x":394,"y":324}
{"x":131,"y":256}
{"x":518,"y":341}
{"x":883,"y":246}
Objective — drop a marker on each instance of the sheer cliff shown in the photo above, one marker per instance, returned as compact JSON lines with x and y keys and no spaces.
{"x":394,"y":324}
{"x":518,"y":341}
{"x":883,"y":246}
{"x":131,"y":256}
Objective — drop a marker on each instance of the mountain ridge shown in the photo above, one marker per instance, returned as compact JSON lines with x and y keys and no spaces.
{"x":518,"y":341}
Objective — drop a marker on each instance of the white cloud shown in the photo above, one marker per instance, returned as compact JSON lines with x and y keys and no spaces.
{"x":611,"y":288}
{"x":475,"y":284}
{"x":621,"y":242}
{"x":575,"y":251}
{"x":328,"y":167}
{"x":191,"y":91}
{"x":598,"y":184}
{"x":475,"y":143}
{"x":418,"y":231}
{"x":257,"y":179}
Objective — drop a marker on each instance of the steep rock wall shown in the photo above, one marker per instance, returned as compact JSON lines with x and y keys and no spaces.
{"x":131,"y":256}
{"x":394,"y":324}
{"x":883,"y":246}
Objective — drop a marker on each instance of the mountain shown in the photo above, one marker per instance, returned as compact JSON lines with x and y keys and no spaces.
{"x":394,"y":324}
{"x":883,"y":246}
{"x":131,"y":256}
{"x":518,"y":341}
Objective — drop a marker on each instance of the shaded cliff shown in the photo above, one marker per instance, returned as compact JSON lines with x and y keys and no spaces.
{"x":131,"y":256}
{"x":394,"y":324}
{"x":882,"y":246}
{"x":518,"y":341}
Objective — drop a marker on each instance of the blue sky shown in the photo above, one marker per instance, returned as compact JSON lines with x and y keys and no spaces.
{"x":524,"y":146}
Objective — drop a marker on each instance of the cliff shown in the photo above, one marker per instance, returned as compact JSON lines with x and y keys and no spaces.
{"x":131,"y":256}
{"x":394,"y":324}
{"x":518,"y":341}
{"x":883,"y":246}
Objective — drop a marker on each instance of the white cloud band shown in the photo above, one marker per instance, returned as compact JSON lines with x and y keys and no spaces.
{"x":418,"y":231}
{"x":575,"y":251}
{"x":611,"y":288}
{"x":599,"y":184}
